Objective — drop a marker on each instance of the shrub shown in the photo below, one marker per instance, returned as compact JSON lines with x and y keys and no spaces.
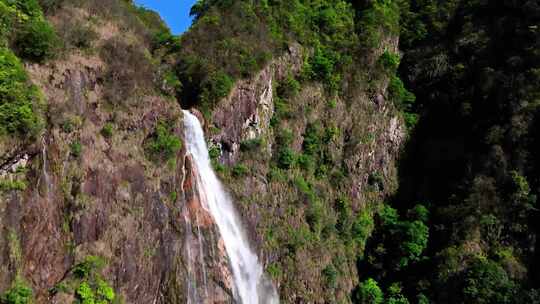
{"x":105,"y":291}
{"x":12,"y":185}
{"x":19,"y":293}
{"x":344,"y":220}
{"x":88,"y":267}
{"x":411,"y":120}
{"x":422,"y":299}
{"x":286,"y":158}
{"x":487,"y":282}
{"x":306,"y":162}
{"x":76,"y":148}
{"x":362,"y":228}
{"x":274,"y":270}
{"x":214,"y":152}
{"x":304,"y":187}
{"x":240,"y":170}
{"x":37,"y":40}
{"x":332,"y":104}
{"x":382,"y":14}
{"x":389,"y":216}
{"x":282,"y":110}
{"x":251,"y":144}
{"x":330,"y":275}
{"x":322,"y":66}
{"x":67,"y":126}
{"x":403,"y":98}
{"x":276,"y":174}
{"x":18,"y":113}
{"x":85,"y":294}
{"x":107,"y":130}
{"x":80,"y":35}
{"x":215,"y":87}
{"x":314,"y":213}
{"x":395,"y":296}
{"x":289,"y":87}
{"x":92,"y":288}
{"x":415,"y":238}
{"x":389,"y":61}
{"x":312,"y":139}
{"x":71,"y":123}
{"x":164,"y":144}
{"x":330,"y":133}
{"x":419,"y":212}
{"x":368,"y":292}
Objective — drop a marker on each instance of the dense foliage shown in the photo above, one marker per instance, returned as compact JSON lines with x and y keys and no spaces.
{"x":473,"y":66}
{"x":19,"y":100}
{"x":24,"y":29}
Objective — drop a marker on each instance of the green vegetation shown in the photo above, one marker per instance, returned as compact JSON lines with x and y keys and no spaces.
{"x":19,"y":100}
{"x":12,"y":185}
{"x":369,"y":293}
{"x":389,"y":61}
{"x":250,"y":33}
{"x":163,"y":144}
{"x":31,"y":35}
{"x":19,"y":293}
{"x":75,"y":148}
{"x":478,"y":175}
{"x":89,"y":266}
{"x":107,"y":130}
{"x":378,"y":18}
{"x":467,"y":89}
{"x":251,"y":144}
{"x":36,"y":40}
{"x":240,"y":170}
{"x":90,"y":286}
{"x":330,"y":276}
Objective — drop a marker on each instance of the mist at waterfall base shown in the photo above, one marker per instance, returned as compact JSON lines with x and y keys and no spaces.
{"x":251,"y":284}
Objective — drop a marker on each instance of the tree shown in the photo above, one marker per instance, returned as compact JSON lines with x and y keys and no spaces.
{"x":37,"y":40}
{"x":368,"y":292}
{"x":487,"y":282}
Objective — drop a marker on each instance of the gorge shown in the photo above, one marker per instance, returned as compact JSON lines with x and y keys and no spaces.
{"x":299,"y":151}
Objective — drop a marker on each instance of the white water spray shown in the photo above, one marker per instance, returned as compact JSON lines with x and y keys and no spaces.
{"x":251,"y":284}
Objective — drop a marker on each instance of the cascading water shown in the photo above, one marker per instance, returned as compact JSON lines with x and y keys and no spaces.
{"x":45,"y":178}
{"x":251,"y":284}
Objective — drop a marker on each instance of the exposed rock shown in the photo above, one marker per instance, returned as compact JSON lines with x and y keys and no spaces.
{"x":245,"y":114}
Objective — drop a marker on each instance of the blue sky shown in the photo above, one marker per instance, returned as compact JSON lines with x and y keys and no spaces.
{"x":174,"y":12}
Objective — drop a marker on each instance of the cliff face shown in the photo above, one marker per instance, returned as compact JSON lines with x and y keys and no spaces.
{"x":107,"y":200}
{"x":94,"y":190}
{"x":97,"y":191}
{"x":367,"y":141}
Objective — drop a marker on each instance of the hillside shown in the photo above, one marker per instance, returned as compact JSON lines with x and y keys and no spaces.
{"x":377,"y":151}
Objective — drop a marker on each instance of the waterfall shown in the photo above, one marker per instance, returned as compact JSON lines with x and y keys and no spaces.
{"x":44,"y":177}
{"x":251,"y":284}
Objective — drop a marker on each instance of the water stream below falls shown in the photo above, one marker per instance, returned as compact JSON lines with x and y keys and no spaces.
{"x":251,"y":284}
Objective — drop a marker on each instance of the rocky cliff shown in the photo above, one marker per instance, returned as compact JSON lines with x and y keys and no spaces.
{"x":105,"y":204}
